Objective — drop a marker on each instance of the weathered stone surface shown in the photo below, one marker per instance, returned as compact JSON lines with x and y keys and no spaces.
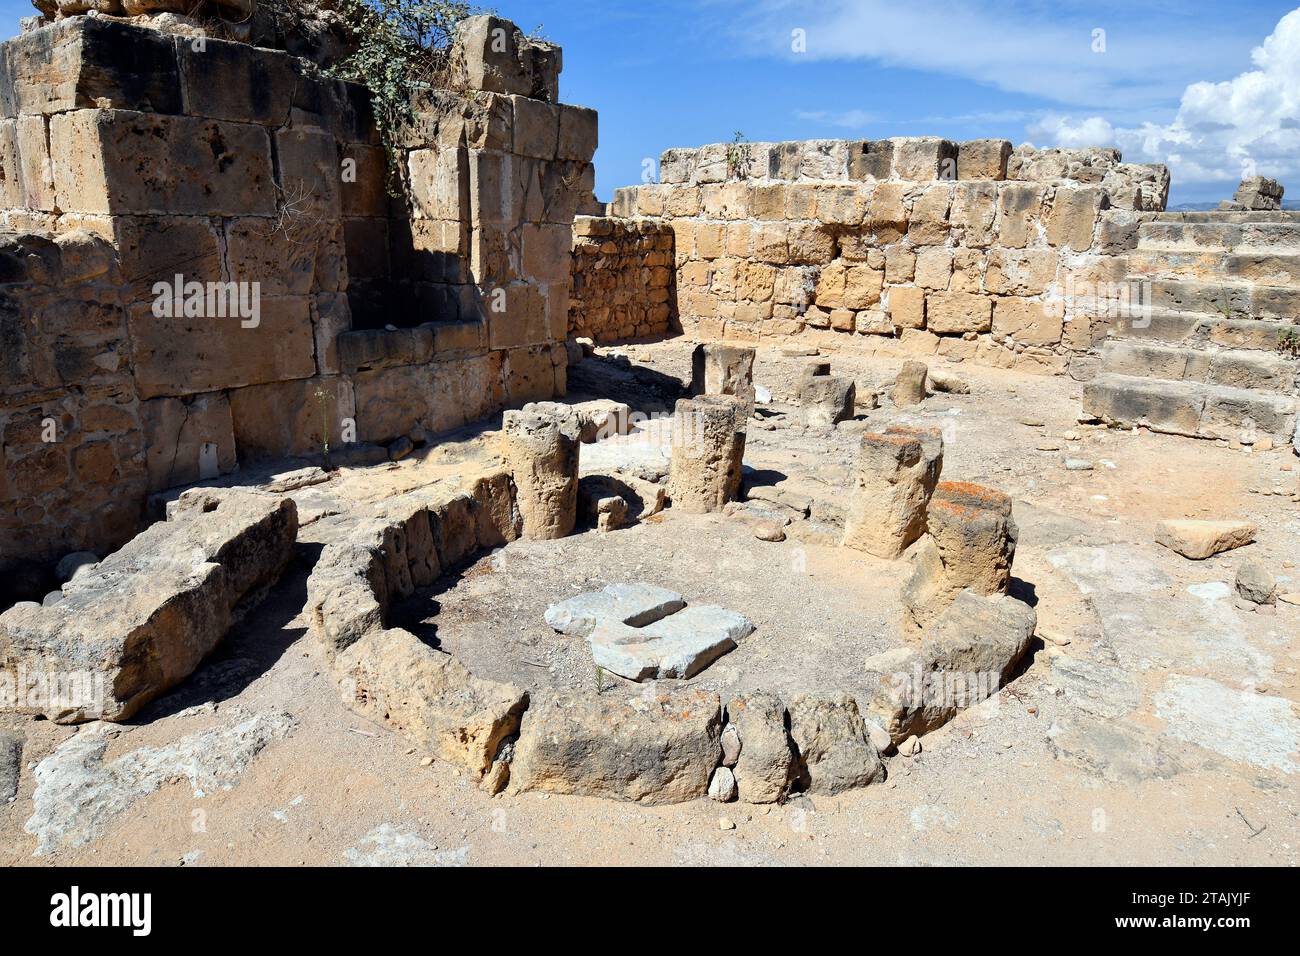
{"x":543,"y":461}
{"x":707,"y":453}
{"x":1259,"y":192}
{"x":983,"y":159}
{"x":1256,"y":584}
{"x":964,"y":656}
{"x":643,"y":498}
{"x":827,"y":400}
{"x":723,"y":786}
{"x":971,"y":543}
{"x":634,"y":605}
{"x":834,"y":752}
{"x":679,"y":645}
{"x":145,"y":617}
{"x":766,"y":764}
{"x":718,"y":369}
{"x":650,"y":750}
{"x":1197,"y":539}
{"x":909,"y":384}
{"x":78,"y":796}
{"x":894,"y":477}
{"x":393,"y":678}
{"x":11,"y":765}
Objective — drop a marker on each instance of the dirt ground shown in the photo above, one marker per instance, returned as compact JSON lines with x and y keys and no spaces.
{"x":1164,"y":732}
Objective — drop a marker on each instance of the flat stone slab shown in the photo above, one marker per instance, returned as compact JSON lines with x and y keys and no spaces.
{"x":678,"y":646}
{"x":641,"y":632}
{"x":1198,"y":540}
{"x":635,"y":605}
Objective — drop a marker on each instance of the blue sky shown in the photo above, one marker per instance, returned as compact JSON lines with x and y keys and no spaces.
{"x":1174,"y":83}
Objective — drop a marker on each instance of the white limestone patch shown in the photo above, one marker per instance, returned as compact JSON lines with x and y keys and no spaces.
{"x":386,"y":845}
{"x":1239,"y":724}
{"x":77,"y":795}
{"x":1111,"y":569}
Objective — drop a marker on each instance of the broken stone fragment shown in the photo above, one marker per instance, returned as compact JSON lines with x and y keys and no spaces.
{"x":963,"y":657}
{"x":642,"y":498}
{"x":394,"y":679}
{"x":834,"y":752}
{"x":909,"y":385}
{"x":765,"y":765}
{"x":730,"y":745}
{"x":634,"y":605}
{"x":971,"y":543}
{"x":650,"y":750}
{"x":718,"y":369}
{"x":723,"y":786}
{"x":708,"y":448}
{"x":894,"y":477}
{"x":1256,"y":584}
{"x":942,"y":381}
{"x":827,"y":400}
{"x":1198,"y":539}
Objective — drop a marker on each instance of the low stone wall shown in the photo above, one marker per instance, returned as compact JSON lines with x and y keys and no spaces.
{"x":623,"y":279}
{"x":913,"y":246}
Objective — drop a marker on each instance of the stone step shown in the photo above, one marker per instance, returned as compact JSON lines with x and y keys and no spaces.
{"x":1189,"y":408}
{"x":1216,"y":216}
{"x":1263,"y":268}
{"x":1220,"y":236}
{"x":1237,"y":369}
{"x":1197,"y":330}
{"x":1230,"y":300}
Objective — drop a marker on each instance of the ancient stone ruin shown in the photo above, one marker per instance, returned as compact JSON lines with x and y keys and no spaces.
{"x":433,"y":398}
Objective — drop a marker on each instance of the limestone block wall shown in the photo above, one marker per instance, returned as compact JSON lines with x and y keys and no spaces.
{"x":913,"y":245}
{"x":623,"y":279}
{"x":256,"y":179}
{"x":72,"y":460}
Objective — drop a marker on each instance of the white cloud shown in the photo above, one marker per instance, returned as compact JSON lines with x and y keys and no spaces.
{"x":1044,"y":50}
{"x":1249,"y":125}
{"x":1053,"y":129}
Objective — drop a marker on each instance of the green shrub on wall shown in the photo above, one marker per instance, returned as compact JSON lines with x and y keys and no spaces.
{"x":403,"y":47}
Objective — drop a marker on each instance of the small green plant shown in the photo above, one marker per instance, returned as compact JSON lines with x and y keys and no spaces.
{"x":737,"y":156}
{"x":403,"y":50}
{"x":1288,"y":341}
{"x":323,"y":398}
{"x":600,"y":679}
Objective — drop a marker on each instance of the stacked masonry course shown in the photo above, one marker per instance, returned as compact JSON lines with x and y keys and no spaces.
{"x":403,"y":317}
{"x":623,"y":279}
{"x":922,"y":245}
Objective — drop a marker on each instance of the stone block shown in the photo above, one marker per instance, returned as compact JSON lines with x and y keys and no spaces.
{"x":906,"y":305}
{"x":958,"y":312}
{"x":141,"y":620}
{"x":536,"y":128}
{"x":190,"y":355}
{"x":983,"y":159}
{"x":650,"y":750}
{"x":835,"y":753}
{"x":187,"y":440}
{"x":870,"y":159}
{"x":1074,"y":216}
{"x":766,"y":765}
{"x":578,"y":134}
{"x":924,"y":158}
{"x":1199,"y":539}
{"x":1027,"y":320}
{"x":119,"y":161}
{"x":893,"y":480}
{"x":291,"y":419}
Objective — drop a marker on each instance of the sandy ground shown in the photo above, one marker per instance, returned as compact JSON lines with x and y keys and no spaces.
{"x":1164,"y":732}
